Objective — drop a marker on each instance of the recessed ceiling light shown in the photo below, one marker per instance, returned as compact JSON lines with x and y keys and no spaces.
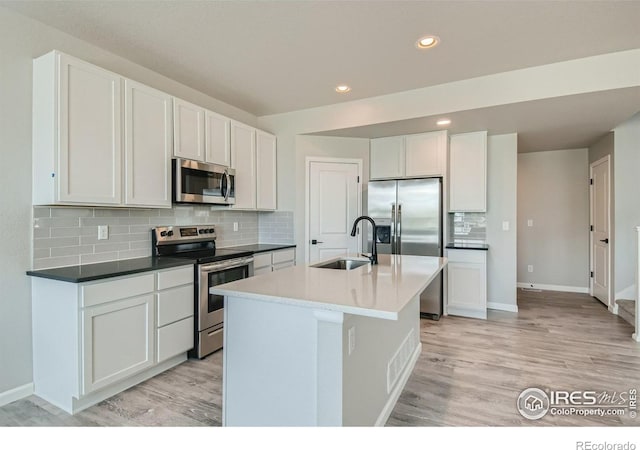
{"x":343,"y":88}
{"x":427,"y":42}
{"x":443,"y":122}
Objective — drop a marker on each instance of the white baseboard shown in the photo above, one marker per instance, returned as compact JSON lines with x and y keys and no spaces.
{"x":14,"y":394}
{"x":554,"y":287}
{"x":395,"y":393}
{"x":503,"y":306}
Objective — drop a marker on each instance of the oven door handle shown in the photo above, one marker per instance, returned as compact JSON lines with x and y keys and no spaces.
{"x":208,"y":268}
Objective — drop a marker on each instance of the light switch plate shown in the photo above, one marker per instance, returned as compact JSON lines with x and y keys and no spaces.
{"x":505,"y":225}
{"x":103,"y":232}
{"x":530,"y":222}
{"x":235,"y":226}
{"x":352,"y":339}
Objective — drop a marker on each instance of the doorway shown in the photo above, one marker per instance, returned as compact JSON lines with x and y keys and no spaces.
{"x":600,"y":236}
{"x":334,"y":201}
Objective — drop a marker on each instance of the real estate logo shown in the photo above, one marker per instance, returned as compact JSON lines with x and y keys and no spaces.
{"x":533,"y":403}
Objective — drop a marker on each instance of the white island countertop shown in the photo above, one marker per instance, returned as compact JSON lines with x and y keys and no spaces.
{"x":380,"y":291}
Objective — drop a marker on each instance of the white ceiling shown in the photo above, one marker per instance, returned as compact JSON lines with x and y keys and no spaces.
{"x":269,"y":57}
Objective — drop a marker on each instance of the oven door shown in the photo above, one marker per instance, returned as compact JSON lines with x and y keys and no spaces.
{"x":211,"y":306}
{"x":198,"y":182}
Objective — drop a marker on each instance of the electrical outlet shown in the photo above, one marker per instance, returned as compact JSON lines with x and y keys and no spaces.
{"x":103,"y":232}
{"x":235,"y":226}
{"x":530,"y":222}
{"x":505,"y":225}
{"x":529,"y":268}
{"x":352,"y":339}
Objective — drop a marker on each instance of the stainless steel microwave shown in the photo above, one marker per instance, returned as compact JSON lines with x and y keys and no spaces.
{"x":198,"y":182}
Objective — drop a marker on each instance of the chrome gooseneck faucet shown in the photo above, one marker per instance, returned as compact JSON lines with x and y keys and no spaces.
{"x":374,"y":252}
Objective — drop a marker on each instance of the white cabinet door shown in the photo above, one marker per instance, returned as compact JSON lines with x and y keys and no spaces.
{"x":425,"y":154}
{"x":243,"y":159}
{"x":266,"y":189}
{"x":118,"y":341}
{"x":468,"y":172}
{"x":147,"y":146}
{"x":188,"y":130}
{"x":90,"y":136}
{"x":217,"y":139}
{"x":467,"y":283}
{"x":386,"y":158}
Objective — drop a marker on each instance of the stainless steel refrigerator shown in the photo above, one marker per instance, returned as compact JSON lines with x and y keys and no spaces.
{"x":408,"y":217}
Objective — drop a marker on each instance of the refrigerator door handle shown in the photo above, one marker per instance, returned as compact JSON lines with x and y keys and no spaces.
{"x":393,"y":229}
{"x":399,"y":230}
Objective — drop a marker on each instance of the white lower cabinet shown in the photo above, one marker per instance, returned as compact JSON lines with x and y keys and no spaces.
{"x":92,"y":340}
{"x":467,"y":283}
{"x":268,"y":262}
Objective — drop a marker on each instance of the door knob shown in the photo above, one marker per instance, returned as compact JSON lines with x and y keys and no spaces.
{"x":606,"y":241}
{"x":315,"y":241}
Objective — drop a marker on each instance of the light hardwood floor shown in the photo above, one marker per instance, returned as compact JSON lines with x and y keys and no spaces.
{"x":470,"y":373}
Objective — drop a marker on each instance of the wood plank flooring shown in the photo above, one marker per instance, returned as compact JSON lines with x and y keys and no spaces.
{"x":470,"y":373}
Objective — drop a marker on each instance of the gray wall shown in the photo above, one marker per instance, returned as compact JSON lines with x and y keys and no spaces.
{"x":21,"y":40}
{"x":627,"y":207}
{"x":553,"y":191}
{"x":502,"y":185}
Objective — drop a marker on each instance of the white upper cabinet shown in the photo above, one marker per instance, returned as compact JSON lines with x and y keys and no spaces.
{"x":188,"y":123}
{"x":77,"y":133}
{"x":217,"y":139}
{"x":468,"y":172}
{"x":425,"y":154}
{"x":243,"y":160}
{"x":414,"y":155}
{"x":147,"y":146}
{"x":266,"y":180}
{"x":387,"y":157}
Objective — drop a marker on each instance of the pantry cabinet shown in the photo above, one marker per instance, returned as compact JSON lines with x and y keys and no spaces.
{"x":409,"y":156}
{"x":468,"y":172}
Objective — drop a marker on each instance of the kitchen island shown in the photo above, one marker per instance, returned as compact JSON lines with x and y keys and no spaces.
{"x":310,"y":346}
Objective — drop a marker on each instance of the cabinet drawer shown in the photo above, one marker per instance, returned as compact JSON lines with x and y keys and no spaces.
{"x":106,"y":291}
{"x":175,"y":277}
{"x":467,"y":256}
{"x":283,"y":256}
{"x":262,"y":270}
{"x":175,"y":304}
{"x":175,"y":339}
{"x":283,"y":265}
{"x":261,"y":260}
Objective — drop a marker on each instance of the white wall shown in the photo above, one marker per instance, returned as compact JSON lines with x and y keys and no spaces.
{"x":22,"y":39}
{"x":553,"y":191}
{"x":502,"y":166}
{"x":627,"y":204}
{"x":323,"y":146}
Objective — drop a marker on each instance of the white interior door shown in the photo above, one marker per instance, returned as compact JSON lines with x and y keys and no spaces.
{"x":334,"y":204}
{"x":600,"y":244}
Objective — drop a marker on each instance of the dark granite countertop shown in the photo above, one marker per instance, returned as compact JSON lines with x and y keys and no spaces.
{"x":260,"y":248}
{"x":99,"y":271}
{"x":462,"y":246}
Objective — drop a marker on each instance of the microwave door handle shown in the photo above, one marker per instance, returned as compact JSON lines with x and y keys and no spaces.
{"x":228,"y":185}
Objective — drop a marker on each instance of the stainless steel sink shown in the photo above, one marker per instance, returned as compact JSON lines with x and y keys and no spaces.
{"x":342,"y":264}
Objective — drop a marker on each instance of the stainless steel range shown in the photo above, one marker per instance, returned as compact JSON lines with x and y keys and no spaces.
{"x":213,"y":266}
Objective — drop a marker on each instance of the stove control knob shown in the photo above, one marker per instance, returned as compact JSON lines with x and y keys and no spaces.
{"x":163,"y":233}
{"x":170,"y":233}
{"x":211,"y":230}
{"x":202,"y":231}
